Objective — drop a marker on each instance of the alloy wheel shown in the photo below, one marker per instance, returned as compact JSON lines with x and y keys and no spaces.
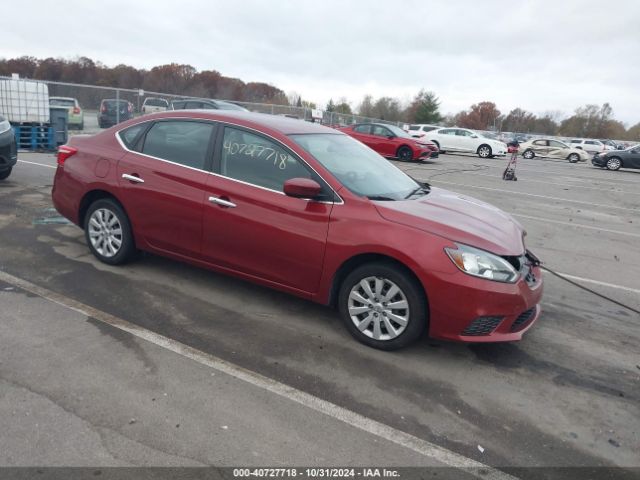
{"x":614,"y":163}
{"x":378,"y":308}
{"x":484,"y":151}
{"x":105,"y":232}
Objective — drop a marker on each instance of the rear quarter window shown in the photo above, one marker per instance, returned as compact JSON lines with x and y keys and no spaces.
{"x":130,"y":135}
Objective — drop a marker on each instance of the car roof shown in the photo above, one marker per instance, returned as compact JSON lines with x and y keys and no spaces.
{"x":284,"y":125}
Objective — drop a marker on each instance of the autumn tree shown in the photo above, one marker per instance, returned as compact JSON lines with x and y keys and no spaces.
{"x":482,"y":116}
{"x":366,"y":106}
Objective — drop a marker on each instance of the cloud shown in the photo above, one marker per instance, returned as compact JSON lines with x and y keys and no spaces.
{"x":538,"y":55}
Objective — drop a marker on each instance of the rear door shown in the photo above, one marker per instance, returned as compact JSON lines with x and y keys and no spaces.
{"x":541,"y":147}
{"x":632,"y":160}
{"x":447,"y":139}
{"x":363,"y":133}
{"x":163,"y":181}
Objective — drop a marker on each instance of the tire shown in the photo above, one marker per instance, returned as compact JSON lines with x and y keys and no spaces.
{"x":5,"y":173}
{"x":573,"y":158}
{"x":614,"y":163}
{"x":374,"y":318}
{"x":484,"y":151}
{"x":529,"y":154}
{"x":97,"y":221}
{"x":404,"y":154}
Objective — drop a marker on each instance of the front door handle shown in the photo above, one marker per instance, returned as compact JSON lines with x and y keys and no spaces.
{"x":222,"y":203}
{"x":132,"y":178}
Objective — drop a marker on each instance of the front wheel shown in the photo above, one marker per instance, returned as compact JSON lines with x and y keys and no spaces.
{"x":484,"y":151}
{"x":5,"y":173}
{"x":574,"y":158}
{"x":404,"y":154}
{"x":529,"y":154}
{"x":382,"y":306}
{"x":108,"y":232}
{"x":614,"y":163}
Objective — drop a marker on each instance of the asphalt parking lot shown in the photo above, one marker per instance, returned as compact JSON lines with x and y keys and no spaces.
{"x":160,"y":363}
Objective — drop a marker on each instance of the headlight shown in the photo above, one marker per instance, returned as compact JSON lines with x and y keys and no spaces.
{"x":482,"y":264}
{"x":5,"y":126}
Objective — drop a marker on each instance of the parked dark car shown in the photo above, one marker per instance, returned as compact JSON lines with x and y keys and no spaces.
{"x":305,"y":209}
{"x":204,"y":103}
{"x":391,"y":141}
{"x":617,"y":159}
{"x":8,"y":150}
{"x":113,"y":111}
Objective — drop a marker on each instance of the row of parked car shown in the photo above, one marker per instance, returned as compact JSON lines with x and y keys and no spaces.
{"x":112,"y":110}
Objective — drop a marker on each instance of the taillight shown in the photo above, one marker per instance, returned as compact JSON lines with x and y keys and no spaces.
{"x":64,"y":152}
{"x":103,"y":108}
{"x":76,"y":110}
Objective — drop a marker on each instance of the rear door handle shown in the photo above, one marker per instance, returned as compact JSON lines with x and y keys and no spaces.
{"x":222,"y":203}
{"x":132,"y":178}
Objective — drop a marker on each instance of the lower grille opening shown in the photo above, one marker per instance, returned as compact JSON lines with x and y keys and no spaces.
{"x":482,"y":326}
{"x":523,"y":319}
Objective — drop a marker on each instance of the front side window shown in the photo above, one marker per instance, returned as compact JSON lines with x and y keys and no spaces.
{"x":557,"y":144}
{"x":449,"y":131}
{"x":258,"y":160}
{"x":592,"y":142}
{"x":362,"y":129}
{"x":380,"y":131}
{"x":182,"y":142}
{"x":414,"y":127}
{"x":357,"y":167}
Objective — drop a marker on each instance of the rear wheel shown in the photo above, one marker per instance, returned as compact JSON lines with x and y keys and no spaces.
{"x":529,"y":154}
{"x":484,"y":151}
{"x":404,"y":153}
{"x":5,"y":173}
{"x":614,"y":163}
{"x":108,"y":232}
{"x":382,"y":306}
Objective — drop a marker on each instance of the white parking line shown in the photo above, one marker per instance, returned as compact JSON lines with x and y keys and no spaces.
{"x":332,"y":410}
{"x":39,"y":164}
{"x":576,"y":225}
{"x":538,"y":196}
{"x":598,"y":282}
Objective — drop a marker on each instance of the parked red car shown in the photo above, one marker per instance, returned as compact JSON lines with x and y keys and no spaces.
{"x":308,"y":210}
{"x":391,"y":141}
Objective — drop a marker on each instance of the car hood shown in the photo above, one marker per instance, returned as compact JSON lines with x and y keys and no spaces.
{"x":458,"y":218}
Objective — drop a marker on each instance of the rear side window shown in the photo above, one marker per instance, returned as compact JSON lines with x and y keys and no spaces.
{"x":592,"y":142}
{"x":178,"y":105}
{"x":429,"y":129}
{"x":414,"y":127}
{"x":131,"y":134}
{"x":182,"y":142}
{"x":257,"y":160}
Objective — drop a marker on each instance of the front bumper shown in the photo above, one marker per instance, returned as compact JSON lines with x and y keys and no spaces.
{"x":8,"y":150}
{"x":599,"y":161}
{"x":470,"y":309}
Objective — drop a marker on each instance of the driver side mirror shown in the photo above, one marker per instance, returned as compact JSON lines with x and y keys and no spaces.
{"x":390,"y":137}
{"x":302,"y":188}
{"x":474,"y":136}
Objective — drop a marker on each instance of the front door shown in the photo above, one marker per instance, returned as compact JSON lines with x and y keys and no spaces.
{"x":251,"y":226}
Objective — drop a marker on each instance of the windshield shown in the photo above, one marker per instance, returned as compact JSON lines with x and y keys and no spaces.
{"x":62,"y":102}
{"x":357,"y":167}
{"x":398,"y":132}
{"x":230,"y":106}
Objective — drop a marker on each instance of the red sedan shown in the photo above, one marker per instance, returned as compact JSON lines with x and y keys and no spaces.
{"x":304,"y":209}
{"x":391,"y":141}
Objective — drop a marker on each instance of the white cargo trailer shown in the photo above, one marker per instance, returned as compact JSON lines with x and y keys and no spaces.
{"x":24,"y":101}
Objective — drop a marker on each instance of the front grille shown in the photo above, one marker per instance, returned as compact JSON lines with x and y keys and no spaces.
{"x":523,"y":319}
{"x":482,"y":326}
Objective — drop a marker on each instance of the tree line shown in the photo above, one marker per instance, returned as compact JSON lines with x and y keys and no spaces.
{"x":590,"y":121}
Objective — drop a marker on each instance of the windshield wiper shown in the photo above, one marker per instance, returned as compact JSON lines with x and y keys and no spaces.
{"x":425,"y":188}
{"x":381,"y":197}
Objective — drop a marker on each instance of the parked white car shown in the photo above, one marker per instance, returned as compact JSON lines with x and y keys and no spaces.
{"x":590,"y":145}
{"x":153,"y":105}
{"x":467,"y":141}
{"x":419,"y":130}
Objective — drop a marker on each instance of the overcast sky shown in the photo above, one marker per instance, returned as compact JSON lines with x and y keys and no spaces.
{"x":538,"y":55}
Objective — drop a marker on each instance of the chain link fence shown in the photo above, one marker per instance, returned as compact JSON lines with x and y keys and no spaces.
{"x":87,"y":113}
